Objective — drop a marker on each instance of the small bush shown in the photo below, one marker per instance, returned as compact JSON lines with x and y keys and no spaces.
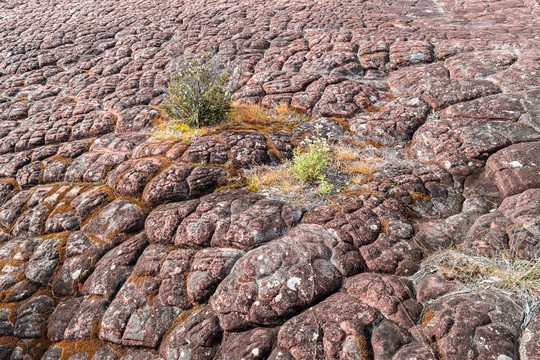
{"x":200,"y":93}
{"x":310,"y":159}
{"x":309,"y":162}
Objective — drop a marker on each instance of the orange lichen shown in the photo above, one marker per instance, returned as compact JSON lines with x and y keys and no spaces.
{"x":426,"y":318}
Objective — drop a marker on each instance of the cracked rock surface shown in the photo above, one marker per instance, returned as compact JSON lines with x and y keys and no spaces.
{"x":115,"y":246}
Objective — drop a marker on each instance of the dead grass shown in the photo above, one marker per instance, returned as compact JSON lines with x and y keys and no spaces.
{"x":347,"y":153}
{"x":364,"y":167}
{"x":242,"y":113}
{"x":265,"y":176}
{"x":277,"y":182}
{"x":520,"y":278}
{"x":250,"y":113}
{"x":350,"y":167}
{"x":174,"y":130}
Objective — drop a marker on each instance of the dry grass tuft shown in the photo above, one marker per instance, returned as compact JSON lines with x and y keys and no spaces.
{"x":278,"y":177}
{"x":242,"y":113}
{"x":347,"y":153}
{"x":251,"y":116}
{"x":364,"y":167}
{"x":175,"y":130}
{"x":250,"y":113}
{"x":286,"y":110}
{"x":518,"y":277}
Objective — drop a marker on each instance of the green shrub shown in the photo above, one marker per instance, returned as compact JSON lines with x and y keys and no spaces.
{"x":200,"y":93}
{"x":309,"y":162}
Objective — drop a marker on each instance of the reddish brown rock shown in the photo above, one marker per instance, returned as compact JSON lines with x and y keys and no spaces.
{"x":61,"y":317}
{"x":209,"y":268}
{"x":522,"y":75}
{"x":474,"y":140}
{"x":235,"y":219}
{"x":62,"y":222}
{"x":320,"y":127}
{"x":43,"y":262}
{"x":154,"y":148}
{"x":345,"y":99}
{"x":194,"y":338}
{"x":513,"y":229}
{"x":148,"y":324}
{"x":6,"y":327}
{"x":31,"y":317}
{"x":22,"y":291}
{"x":404,"y":53}
{"x":114,"y":321}
{"x":395,"y":123}
{"x":390,"y":341}
{"x":393,"y":296}
{"x":204,"y":180}
{"x":289,"y":83}
{"x":206,"y":150}
{"x":31,"y":222}
{"x":514,"y":169}
{"x":405,"y":80}
{"x":81,"y":256}
{"x":392,"y":255}
{"x":115,"y":221}
{"x":433,"y":286}
{"x":274,"y":280}
{"x":479,"y":64}
{"x":170,"y":185}
{"x":80,"y":86}
{"x":473,"y":326}
{"x":89,"y":201}
{"x":253,"y":344}
{"x":440,"y":93}
{"x":172,"y":273}
{"x":162,"y":223}
{"x":530,"y":339}
{"x":246,"y":148}
{"x":85,"y":320}
{"x":494,"y":107}
{"x":125,"y":143}
{"x":149,"y":262}
{"x":93,"y":166}
{"x":130,"y":177}
{"x":306,"y":100}
{"x":113,"y":269}
{"x":94,"y":124}
{"x":337,"y":327}
{"x":136,"y":119}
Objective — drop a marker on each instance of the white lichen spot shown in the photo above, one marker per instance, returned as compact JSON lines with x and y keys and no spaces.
{"x":447,"y":164}
{"x":416,"y":58}
{"x":374,"y":227}
{"x":255,"y":352}
{"x":278,"y":298}
{"x":260,"y":257}
{"x":76,"y":274}
{"x":515,"y":164}
{"x":293,"y":282}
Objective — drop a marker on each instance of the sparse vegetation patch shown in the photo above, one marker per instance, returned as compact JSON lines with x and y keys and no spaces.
{"x":201,"y":91}
{"x":516,"y":276}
